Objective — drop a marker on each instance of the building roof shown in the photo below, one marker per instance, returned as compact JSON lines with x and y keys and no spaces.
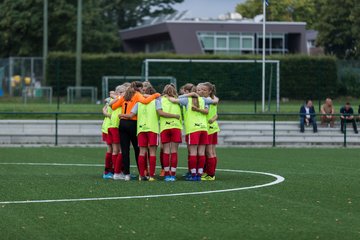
{"x":179,"y":18}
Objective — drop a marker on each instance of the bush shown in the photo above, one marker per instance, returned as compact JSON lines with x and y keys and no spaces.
{"x":300,"y":76}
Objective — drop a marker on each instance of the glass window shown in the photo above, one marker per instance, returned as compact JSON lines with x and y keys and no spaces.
{"x":247,"y":43}
{"x":221,"y":43}
{"x":208,"y":42}
{"x":234,"y":42}
{"x":277,"y":43}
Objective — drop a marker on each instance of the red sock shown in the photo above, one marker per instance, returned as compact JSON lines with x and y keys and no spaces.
{"x":215,"y":164}
{"x":174,"y":163}
{"x":118,"y":163}
{"x":146,"y":156}
{"x":142,"y":165}
{"x":152,"y":165}
{"x":108,"y":164}
{"x":166,"y":163}
{"x":200,"y":164}
{"x":211,"y":166}
{"x":192,"y":164}
{"x":162,"y":158}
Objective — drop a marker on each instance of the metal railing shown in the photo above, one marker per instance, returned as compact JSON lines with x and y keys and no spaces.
{"x":274,"y":118}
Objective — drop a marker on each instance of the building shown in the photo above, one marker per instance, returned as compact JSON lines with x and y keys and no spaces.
{"x":313,"y":49}
{"x":226,"y":35}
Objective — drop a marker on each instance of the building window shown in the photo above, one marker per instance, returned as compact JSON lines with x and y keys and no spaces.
{"x":227,"y":43}
{"x":161,"y":46}
{"x":234,"y":43}
{"x":274,"y":43}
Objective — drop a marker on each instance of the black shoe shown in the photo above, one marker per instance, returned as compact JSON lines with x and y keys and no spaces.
{"x":315,"y":131}
{"x":302,"y":130}
{"x":356,"y":132}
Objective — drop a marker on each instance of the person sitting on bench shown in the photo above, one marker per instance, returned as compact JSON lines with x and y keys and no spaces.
{"x":307,"y":116}
{"x":347,"y":115}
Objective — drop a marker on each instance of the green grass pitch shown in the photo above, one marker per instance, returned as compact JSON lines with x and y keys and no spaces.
{"x":319,"y":198}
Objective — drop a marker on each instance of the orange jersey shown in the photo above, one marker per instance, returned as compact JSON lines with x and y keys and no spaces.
{"x":127,"y":106}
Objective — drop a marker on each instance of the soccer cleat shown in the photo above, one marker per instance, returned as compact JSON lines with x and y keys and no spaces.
{"x":186,"y":175}
{"x":152,"y":179}
{"x":168,"y":179}
{"x":192,"y":178}
{"x":208,"y":178}
{"x":143,"y":178}
{"x":133,"y":176}
{"x":119,"y":176}
{"x":173,"y":178}
{"x":204,"y":176}
{"x":198,"y":178}
{"x":127,"y":177}
{"x":162,"y":173}
{"x":108,"y":176}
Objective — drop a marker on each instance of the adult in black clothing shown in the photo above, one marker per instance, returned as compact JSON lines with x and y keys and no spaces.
{"x":347,"y":115}
{"x":307,"y":116}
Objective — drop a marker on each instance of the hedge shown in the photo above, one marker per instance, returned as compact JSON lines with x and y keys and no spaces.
{"x":300,"y":76}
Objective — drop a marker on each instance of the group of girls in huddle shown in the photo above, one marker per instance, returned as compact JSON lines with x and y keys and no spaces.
{"x":138,"y":115}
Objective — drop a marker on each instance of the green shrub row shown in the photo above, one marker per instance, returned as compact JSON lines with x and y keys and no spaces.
{"x":300,"y":76}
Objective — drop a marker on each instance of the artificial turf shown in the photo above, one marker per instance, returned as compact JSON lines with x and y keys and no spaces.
{"x":319,"y":198}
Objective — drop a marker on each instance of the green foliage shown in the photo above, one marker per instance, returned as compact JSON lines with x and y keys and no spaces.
{"x":339,"y":28}
{"x":129,"y":13}
{"x":21,"y":24}
{"x":300,"y":76}
{"x":349,"y":77}
{"x":282,"y":10}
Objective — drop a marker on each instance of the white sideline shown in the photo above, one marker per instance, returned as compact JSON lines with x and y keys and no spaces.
{"x":278,"y":179}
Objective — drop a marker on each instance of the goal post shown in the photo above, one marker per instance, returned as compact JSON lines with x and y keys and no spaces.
{"x":81,"y":93}
{"x":38,"y":94}
{"x":251,"y":67}
{"x":110,"y":82}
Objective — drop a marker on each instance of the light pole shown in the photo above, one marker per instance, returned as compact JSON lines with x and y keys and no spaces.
{"x":78,"y":46}
{"x":263,"y":56}
{"x":45,"y":41}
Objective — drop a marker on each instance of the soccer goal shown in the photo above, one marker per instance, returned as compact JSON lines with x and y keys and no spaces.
{"x":83,"y":94}
{"x":37,"y":94}
{"x":111,"y":82}
{"x":235,"y":80}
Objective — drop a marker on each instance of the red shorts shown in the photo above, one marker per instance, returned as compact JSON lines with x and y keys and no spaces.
{"x":197,"y":138}
{"x":213,"y":139}
{"x":146,"y":139}
{"x":171,"y":135}
{"x":106,"y":139}
{"x":113,"y":136}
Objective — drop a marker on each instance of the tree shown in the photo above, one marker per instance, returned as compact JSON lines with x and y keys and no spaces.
{"x":21,"y":24}
{"x":127,"y":13}
{"x":282,"y":10}
{"x":337,"y":31}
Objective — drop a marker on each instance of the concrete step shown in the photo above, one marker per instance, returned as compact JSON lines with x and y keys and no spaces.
{"x":236,"y":133}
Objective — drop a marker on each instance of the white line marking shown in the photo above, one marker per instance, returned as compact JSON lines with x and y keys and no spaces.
{"x":278,"y":179}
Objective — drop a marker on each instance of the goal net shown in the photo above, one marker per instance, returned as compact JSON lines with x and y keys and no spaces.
{"x":85,"y":94}
{"x":37,"y":95}
{"x":235,"y":80}
{"x":109,"y":83}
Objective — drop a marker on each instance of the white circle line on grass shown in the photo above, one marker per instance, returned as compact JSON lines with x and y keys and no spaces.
{"x":278,"y":179}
